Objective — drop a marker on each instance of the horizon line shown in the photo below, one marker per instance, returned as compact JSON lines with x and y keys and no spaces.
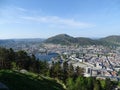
{"x":56,"y":35}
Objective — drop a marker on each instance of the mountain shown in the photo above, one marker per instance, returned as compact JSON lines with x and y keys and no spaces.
{"x":13,"y":43}
{"x":62,"y":39}
{"x":29,"y":40}
{"x":87,"y":41}
{"x":65,"y":39}
{"x":113,"y":40}
{"x":6,"y":41}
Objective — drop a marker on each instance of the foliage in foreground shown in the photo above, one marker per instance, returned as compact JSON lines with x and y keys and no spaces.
{"x":18,"y":81}
{"x":90,"y":83}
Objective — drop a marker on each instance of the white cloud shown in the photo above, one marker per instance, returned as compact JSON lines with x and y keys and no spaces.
{"x":12,"y":10}
{"x":12,"y":14}
{"x":21,"y":9}
{"x":57,"y":21}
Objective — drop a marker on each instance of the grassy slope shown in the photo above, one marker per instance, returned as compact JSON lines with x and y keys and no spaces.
{"x":18,"y":81}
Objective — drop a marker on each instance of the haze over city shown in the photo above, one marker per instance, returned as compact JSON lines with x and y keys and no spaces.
{"x":46,"y":18}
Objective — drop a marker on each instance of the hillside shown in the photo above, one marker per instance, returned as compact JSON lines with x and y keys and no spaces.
{"x":29,"y":81}
{"x":87,"y":41}
{"x":15,"y":41}
{"x":62,"y":39}
{"x":65,"y":39}
{"x":6,"y":41}
{"x":19,"y":43}
{"x":112,"y":40}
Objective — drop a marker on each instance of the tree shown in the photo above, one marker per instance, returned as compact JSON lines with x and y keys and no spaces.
{"x":36,"y":66}
{"x":79,"y":71}
{"x":22,"y":60}
{"x":71,"y":71}
{"x":80,"y":83}
{"x":44,"y":68}
{"x":90,"y":83}
{"x":65,"y":71}
{"x":56,"y":70}
{"x":5,"y":62}
{"x":14,"y":66}
{"x":108,"y":84}
{"x":97,"y":85}
{"x":11,"y":55}
{"x":70,"y":84}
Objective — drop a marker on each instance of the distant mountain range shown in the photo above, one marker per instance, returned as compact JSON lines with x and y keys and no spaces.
{"x":114,"y":40}
{"x":13,"y":43}
{"x":7,"y":41}
{"x":64,"y":39}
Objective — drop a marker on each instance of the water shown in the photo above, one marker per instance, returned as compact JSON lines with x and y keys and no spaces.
{"x":47,"y":57}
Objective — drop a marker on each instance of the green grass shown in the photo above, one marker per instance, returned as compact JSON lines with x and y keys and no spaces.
{"x":18,"y":81}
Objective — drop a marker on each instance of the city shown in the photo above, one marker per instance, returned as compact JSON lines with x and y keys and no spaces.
{"x":59,"y":45}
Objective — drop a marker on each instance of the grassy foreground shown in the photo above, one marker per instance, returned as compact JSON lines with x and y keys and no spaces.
{"x":29,"y":81}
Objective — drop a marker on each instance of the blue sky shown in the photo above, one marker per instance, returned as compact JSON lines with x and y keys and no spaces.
{"x":46,"y":18}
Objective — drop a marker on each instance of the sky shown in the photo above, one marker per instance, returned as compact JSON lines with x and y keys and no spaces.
{"x":46,"y":18}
